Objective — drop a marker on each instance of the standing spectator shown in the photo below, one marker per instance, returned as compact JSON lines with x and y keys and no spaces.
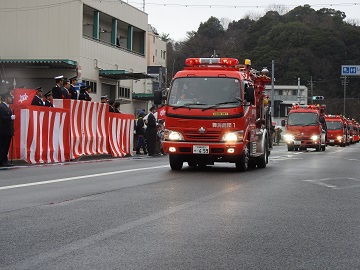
{"x":49,"y":99}
{"x":140,"y":132}
{"x":278,"y":131}
{"x":151,"y":132}
{"x":57,"y":89}
{"x":111,"y":105}
{"x":37,"y":100}
{"x":84,"y":93}
{"x":72,"y":90}
{"x":117,"y":107}
{"x":6,"y":128}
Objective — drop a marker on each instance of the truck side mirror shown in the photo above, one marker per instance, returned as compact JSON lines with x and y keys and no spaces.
{"x":157,"y":97}
{"x":283,"y":123}
{"x":250,"y":94}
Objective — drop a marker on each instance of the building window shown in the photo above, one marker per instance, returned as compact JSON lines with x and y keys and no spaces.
{"x":280,"y":92}
{"x":294,"y":92}
{"x":92,"y":84}
{"x":153,"y":58}
{"x":124,"y":92}
{"x":164,"y":55}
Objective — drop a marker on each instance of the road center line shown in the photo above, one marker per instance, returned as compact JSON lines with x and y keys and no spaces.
{"x":80,"y":177}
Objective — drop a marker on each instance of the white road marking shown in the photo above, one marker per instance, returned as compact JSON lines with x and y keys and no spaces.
{"x":79,"y":177}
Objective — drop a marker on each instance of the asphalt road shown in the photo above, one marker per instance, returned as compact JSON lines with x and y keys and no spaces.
{"x":300,"y":212}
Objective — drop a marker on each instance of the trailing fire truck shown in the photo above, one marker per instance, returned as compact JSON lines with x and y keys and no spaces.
{"x":217,"y":111}
{"x":337,"y":132}
{"x":306,"y":128}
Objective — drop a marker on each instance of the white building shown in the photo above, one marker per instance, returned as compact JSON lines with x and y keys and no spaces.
{"x":284,"y":97}
{"x":102,"y":42}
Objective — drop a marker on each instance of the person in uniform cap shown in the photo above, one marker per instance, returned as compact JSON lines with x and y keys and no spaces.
{"x":37,"y":100}
{"x":49,"y":99}
{"x":151,"y":131}
{"x":57,"y":89}
{"x":6,"y":128}
{"x":72,"y":90}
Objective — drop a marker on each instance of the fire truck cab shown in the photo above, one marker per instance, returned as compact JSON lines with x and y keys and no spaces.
{"x":306,"y":128}
{"x":216,"y":111}
{"x":336,"y":130}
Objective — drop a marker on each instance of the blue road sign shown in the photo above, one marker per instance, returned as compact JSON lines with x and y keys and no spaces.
{"x":352,"y":70}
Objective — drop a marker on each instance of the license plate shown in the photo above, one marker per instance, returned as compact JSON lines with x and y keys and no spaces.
{"x":297,"y":142}
{"x":331,"y":140}
{"x":201,"y":149}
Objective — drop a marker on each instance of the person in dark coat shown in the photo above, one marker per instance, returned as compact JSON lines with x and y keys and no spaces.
{"x":6,"y":128}
{"x":151,"y":131}
{"x":111,"y":105}
{"x":84,"y":93}
{"x":72,"y":90}
{"x":57,"y":89}
{"x":65,"y":89}
{"x":140,"y":132}
{"x":37,"y":100}
{"x":49,"y":99}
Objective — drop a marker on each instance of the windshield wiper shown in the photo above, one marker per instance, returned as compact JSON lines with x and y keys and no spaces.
{"x":222,"y":103}
{"x":186,"y":105}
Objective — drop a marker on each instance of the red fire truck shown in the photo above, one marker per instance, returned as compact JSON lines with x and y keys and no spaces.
{"x":217,"y":111}
{"x":336,"y":130}
{"x":355,"y":125}
{"x":306,"y":128}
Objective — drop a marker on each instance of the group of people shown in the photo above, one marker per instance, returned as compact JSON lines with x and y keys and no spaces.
{"x":150,"y":134}
{"x":63,"y":89}
{"x":114,"y":106}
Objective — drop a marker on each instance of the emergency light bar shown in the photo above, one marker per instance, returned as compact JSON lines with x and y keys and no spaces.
{"x":191,"y":62}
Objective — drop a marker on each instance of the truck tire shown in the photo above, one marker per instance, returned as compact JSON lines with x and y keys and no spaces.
{"x":176,"y":162}
{"x":323,"y":147}
{"x":264,"y":158}
{"x":291,"y":148}
{"x":318,"y":148}
{"x":242,"y":164}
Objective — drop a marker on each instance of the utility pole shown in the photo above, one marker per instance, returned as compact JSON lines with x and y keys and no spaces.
{"x":311,"y":90}
{"x":344,"y":112}
{"x":272,"y":88}
{"x":298,"y":92}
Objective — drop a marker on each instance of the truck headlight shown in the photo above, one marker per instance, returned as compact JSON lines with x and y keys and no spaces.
{"x":171,"y":135}
{"x":340,"y":138}
{"x":236,"y":136}
{"x":288,"y":137}
{"x":314,"y":137}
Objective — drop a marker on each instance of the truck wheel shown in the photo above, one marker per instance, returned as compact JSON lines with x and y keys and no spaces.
{"x":290,"y":148}
{"x":323,"y":148}
{"x":342,"y":145}
{"x":318,"y":148}
{"x":176,"y":162}
{"x":264,"y":158}
{"x":242,"y":164}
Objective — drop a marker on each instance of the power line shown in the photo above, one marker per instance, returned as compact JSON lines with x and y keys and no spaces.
{"x":27,"y":8}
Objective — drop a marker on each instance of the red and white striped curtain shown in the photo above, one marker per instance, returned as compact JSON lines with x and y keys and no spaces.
{"x":87,"y":125}
{"x":44,"y":135}
{"x":121,"y":134}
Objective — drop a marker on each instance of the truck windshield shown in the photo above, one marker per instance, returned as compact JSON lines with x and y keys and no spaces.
{"x":205,"y":91}
{"x":331,"y":125}
{"x":303,"y":119}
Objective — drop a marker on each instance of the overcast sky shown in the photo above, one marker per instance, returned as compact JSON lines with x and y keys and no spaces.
{"x":176,"y":17}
